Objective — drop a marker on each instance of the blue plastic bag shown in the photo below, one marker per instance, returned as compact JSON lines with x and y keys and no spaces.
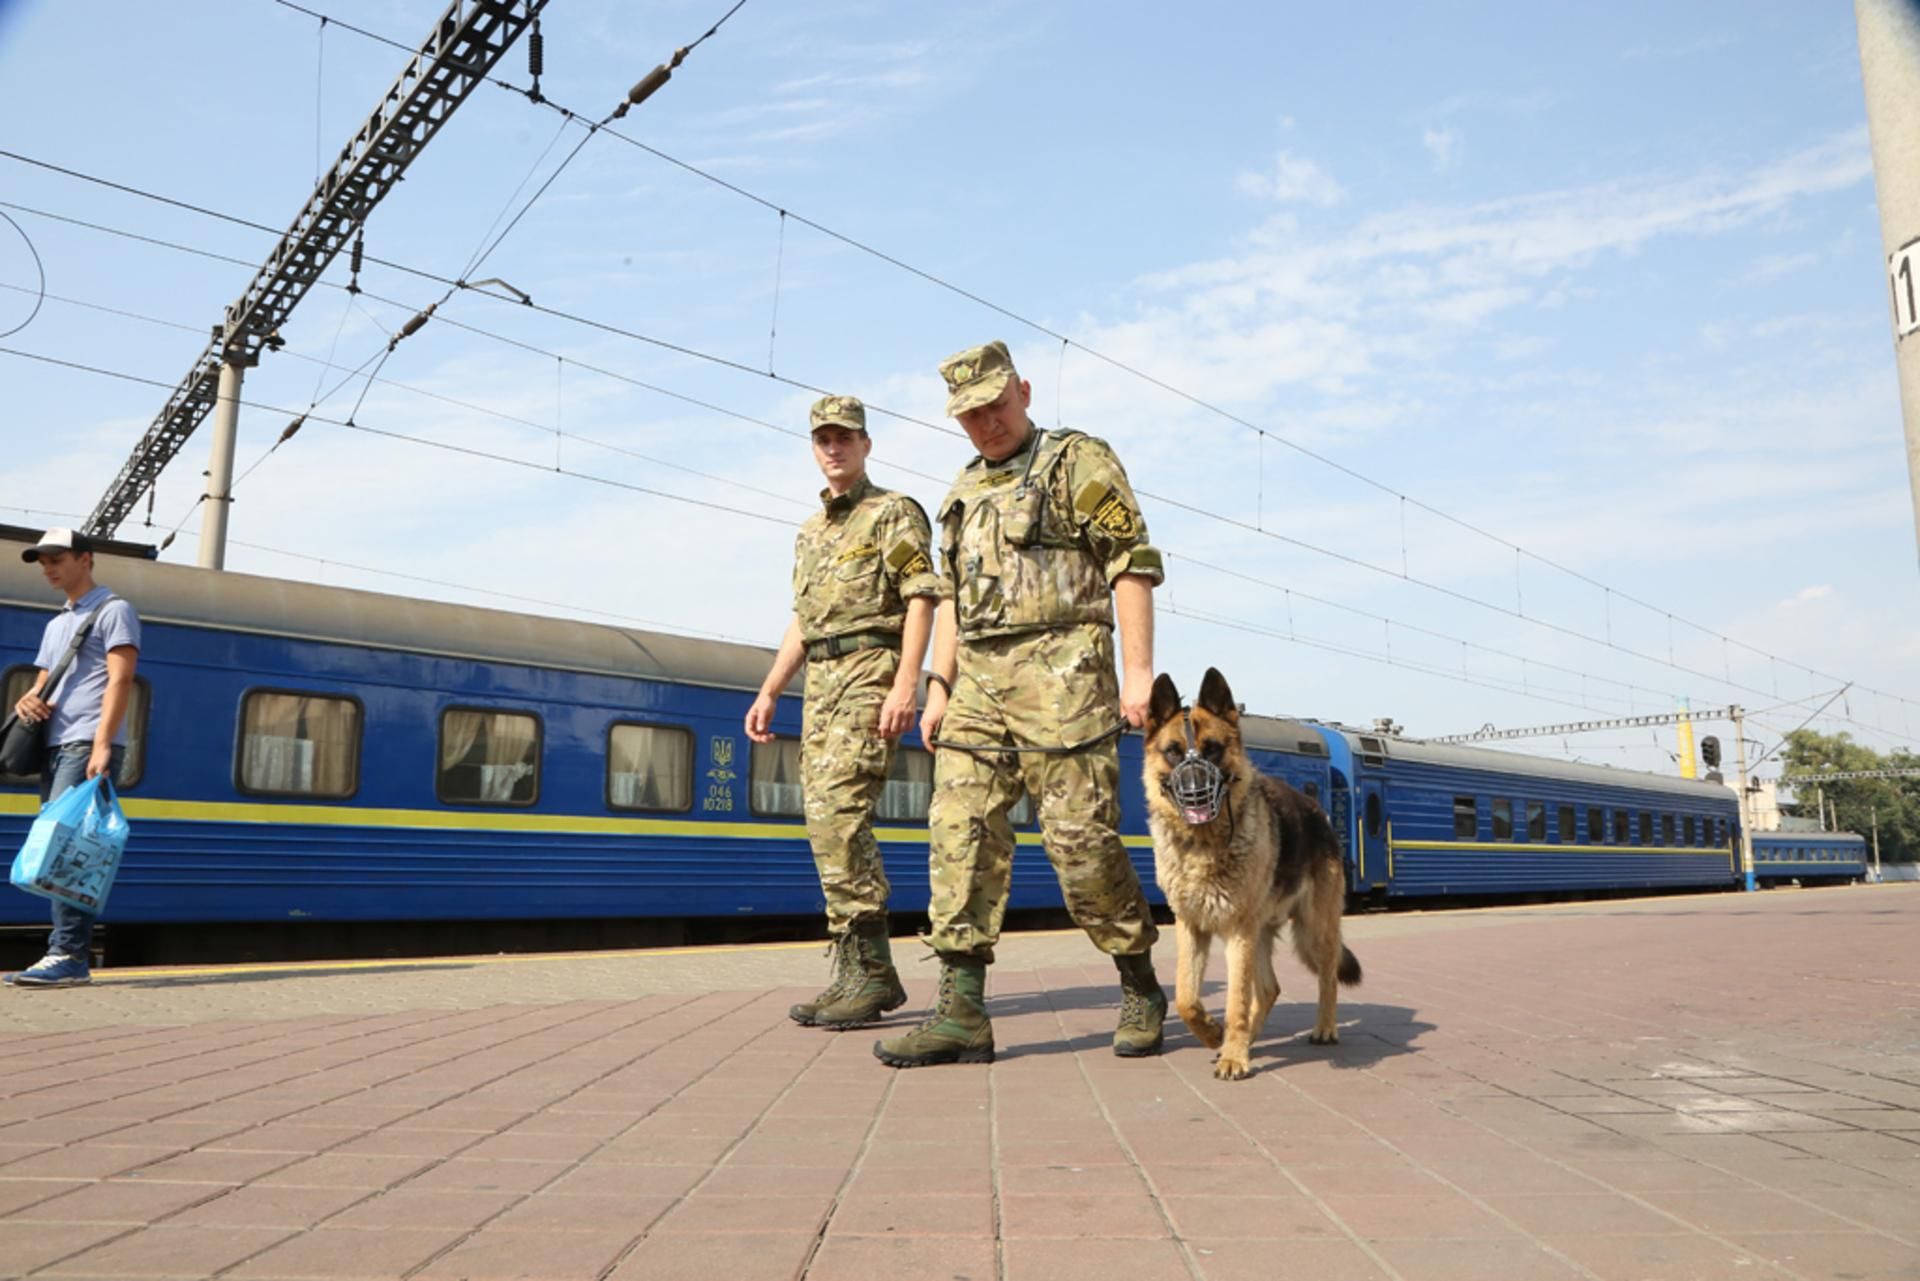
{"x":73,"y":849}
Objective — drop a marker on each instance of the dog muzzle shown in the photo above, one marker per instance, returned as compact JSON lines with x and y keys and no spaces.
{"x":1196,"y":785}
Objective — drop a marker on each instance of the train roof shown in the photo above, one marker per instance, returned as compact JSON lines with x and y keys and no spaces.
{"x":1460,"y":756}
{"x":196,"y":597}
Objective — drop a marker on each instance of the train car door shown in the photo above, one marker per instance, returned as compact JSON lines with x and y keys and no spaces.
{"x":1373,"y":833}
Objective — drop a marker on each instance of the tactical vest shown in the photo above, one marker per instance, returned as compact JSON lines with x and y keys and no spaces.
{"x":1014,"y":551}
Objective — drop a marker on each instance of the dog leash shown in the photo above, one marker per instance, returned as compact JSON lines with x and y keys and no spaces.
{"x":996,"y":749}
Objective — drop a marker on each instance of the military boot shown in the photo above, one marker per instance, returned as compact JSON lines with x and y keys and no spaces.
{"x":1143,"y":1007}
{"x":873,"y":987}
{"x":956,"y":1030}
{"x":841,"y":965}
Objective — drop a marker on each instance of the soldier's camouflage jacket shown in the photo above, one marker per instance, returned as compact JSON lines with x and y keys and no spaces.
{"x":1035,"y":541}
{"x":858,"y":560}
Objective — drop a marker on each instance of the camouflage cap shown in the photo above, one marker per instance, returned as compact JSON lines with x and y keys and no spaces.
{"x":977,"y":376}
{"x":838,"y":411}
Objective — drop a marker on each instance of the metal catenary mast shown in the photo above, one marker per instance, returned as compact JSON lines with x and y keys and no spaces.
{"x":464,"y":45}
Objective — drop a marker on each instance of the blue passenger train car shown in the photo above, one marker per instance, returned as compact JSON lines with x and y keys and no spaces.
{"x":1809,"y":857}
{"x":309,"y":753}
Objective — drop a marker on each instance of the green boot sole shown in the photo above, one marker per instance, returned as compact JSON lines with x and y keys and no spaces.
{"x":905,"y":1058}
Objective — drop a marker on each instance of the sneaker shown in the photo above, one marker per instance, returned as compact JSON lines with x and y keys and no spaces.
{"x":53,"y":971}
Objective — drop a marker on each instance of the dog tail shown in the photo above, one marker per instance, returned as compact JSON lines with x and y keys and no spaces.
{"x":1349,"y":971}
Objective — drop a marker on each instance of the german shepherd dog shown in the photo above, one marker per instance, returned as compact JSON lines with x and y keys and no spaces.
{"x":1238,"y":854}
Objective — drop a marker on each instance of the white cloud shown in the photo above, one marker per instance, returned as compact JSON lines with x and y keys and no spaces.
{"x":1443,"y":145}
{"x":1293,"y":180}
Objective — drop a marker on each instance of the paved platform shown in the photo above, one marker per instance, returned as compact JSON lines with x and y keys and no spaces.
{"x":1698,"y":1087}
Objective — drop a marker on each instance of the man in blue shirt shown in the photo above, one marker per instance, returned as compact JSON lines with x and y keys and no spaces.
{"x":86,"y":718}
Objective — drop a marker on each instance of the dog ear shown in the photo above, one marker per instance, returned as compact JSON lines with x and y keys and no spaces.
{"x":1164,"y":705}
{"x":1215,"y":697}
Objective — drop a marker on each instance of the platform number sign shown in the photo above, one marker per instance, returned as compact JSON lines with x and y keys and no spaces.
{"x":1902,"y":266}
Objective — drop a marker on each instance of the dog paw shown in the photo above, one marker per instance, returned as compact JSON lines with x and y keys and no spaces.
{"x":1324,"y":1038}
{"x":1204,"y":1029}
{"x":1231,"y":1067}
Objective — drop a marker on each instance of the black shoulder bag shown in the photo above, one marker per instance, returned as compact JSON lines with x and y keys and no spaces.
{"x":23,"y":746}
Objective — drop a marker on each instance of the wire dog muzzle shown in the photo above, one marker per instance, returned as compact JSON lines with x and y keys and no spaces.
{"x":1196,"y":785}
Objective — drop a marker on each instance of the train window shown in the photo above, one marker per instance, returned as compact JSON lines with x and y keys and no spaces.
{"x":1536,"y":820}
{"x":1622,"y":828}
{"x":294,"y":744}
{"x":1569,"y":826}
{"x":773,"y":779}
{"x":908,"y":788}
{"x":1021,"y":813}
{"x":1596,"y":825}
{"x":1666,"y":829}
{"x":1311,"y":791}
{"x":1687,"y":829}
{"x":1502,"y":819}
{"x":650,"y":767}
{"x":1646,"y":828}
{"x":1466,"y":816}
{"x":1376,"y":820}
{"x":488,"y":757}
{"x":132,"y":766}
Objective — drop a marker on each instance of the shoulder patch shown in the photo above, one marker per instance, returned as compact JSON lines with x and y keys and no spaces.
{"x":1101,"y":505}
{"x":906,"y":560}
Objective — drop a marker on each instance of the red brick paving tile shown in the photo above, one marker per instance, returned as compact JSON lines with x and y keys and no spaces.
{"x":1081,"y":1259}
{"x":164,"y":1251}
{"x":1658,"y":1175}
{"x":1358,"y":1149}
{"x":1399,"y":1179}
{"x":1017,"y":1152}
{"x":755,"y":1150}
{"x":1036,"y":1180}
{"x":1104,"y":1215}
{"x":1682,"y":1257}
{"x":1240,"y":1218}
{"x":532,"y":1256}
{"x":264,"y":1207}
{"x":454,"y":1116}
{"x":1283,"y":1261}
{"x":82,"y":1161}
{"x":596,"y":1179}
{"x":724,"y":1256}
{"x":332,"y":1170}
{"x":532,"y":1147}
{"x":119,"y":1201}
{"x":405,"y":1208}
{"x":632,"y":1215}
{"x":347,"y":1254}
{"x":423,"y":1143}
{"x":282,"y":1137}
{"x":218,"y":1167}
{"x":878,"y":1215}
{"x":1854,"y":1145}
{"x":666,"y":1149}
{"x":463,"y":1175}
{"x":864,"y":1258}
{"x":178,"y":1135}
{"x":26,"y":1246}
{"x":1474,"y":1261}
{"x":62,"y":1129}
{"x":593,"y":1125}
{"x":1745,"y":1209}
{"x":16,"y":1193}
{"x":794,"y":1180}
{"x":702,"y":1213}
{"x":1600,"y":1214}
{"x":1888,"y":1208}
{"x":1388,"y":1217}
{"x":914,"y":1156}
{"x":1835,"y":1256}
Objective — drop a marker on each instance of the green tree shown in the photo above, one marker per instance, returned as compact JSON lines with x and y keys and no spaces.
{"x":1894,"y":802}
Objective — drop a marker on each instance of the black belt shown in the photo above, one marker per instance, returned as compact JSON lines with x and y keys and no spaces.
{"x":835,"y":646}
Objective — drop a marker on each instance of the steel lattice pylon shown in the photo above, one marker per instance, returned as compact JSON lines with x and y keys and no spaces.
{"x":463,"y":47}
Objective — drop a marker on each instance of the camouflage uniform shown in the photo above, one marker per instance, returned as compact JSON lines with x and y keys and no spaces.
{"x":856,"y":563}
{"x":1030,"y":547}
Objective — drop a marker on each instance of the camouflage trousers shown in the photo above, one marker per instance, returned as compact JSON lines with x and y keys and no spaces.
{"x":843,"y":766}
{"x":1048,"y":688}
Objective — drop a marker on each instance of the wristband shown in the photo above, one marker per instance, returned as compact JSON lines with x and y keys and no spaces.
{"x":935,"y":678}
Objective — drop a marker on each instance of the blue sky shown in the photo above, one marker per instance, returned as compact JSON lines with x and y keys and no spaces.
{"x":1603,"y":281}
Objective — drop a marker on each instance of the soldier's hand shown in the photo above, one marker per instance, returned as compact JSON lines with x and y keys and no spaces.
{"x":896,"y":714}
{"x":33,"y":709}
{"x":930,"y":718}
{"x":1136,"y":691}
{"x":760,"y":719}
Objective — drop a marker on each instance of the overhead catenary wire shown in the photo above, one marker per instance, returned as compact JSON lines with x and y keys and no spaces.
{"x":40,"y":269}
{"x":1521,"y":552}
{"x":1455,"y":594}
{"x":1172,"y":502}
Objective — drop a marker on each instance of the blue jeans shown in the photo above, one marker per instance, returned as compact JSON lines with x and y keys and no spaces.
{"x":67,"y":767}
